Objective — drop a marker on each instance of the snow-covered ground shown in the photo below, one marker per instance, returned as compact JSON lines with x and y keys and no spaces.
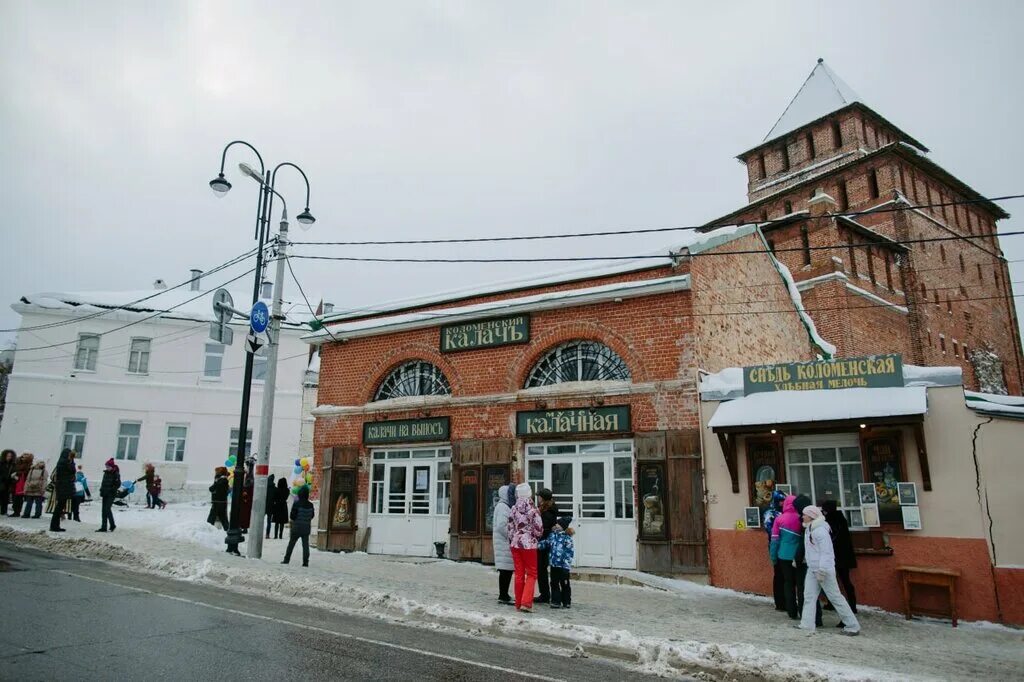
{"x":706,"y":632}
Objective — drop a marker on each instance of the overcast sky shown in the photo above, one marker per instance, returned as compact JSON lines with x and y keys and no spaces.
{"x":447,"y":119}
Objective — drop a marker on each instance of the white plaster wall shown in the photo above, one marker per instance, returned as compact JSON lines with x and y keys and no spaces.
{"x":45,"y":389}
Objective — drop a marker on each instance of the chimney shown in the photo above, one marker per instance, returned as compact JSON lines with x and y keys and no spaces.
{"x":267,"y":289}
{"x":328,"y":308}
{"x":194,"y":282}
{"x":821,"y":203}
{"x":159,"y":284}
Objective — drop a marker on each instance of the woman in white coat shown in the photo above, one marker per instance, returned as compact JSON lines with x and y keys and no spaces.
{"x":821,"y":573}
{"x":502,"y":551}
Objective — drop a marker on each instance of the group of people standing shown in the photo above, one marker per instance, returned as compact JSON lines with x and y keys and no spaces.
{"x":25,"y":484}
{"x":277,"y":515}
{"x":527,"y":540}
{"x":811,"y":551}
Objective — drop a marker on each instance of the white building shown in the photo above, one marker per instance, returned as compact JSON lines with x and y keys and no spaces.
{"x":157,"y":391}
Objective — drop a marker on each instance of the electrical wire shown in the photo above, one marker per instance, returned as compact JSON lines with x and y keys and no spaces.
{"x":573,"y":259}
{"x":572,"y":235}
{"x":125,"y":306}
{"x":304,"y":297}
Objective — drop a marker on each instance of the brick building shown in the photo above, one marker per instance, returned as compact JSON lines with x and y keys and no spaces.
{"x":942,"y":302}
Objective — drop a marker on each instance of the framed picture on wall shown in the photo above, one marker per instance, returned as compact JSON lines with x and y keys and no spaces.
{"x":867,"y":493}
{"x":911,"y":517}
{"x":908,"y":493}
{"x":784,"y":488}
{"x":869,"y":515}
{"x":856,"y":518}
{"x":651,"y":491}
{"x":752,"y":517}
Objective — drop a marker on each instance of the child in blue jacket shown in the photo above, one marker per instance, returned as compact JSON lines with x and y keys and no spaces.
{"x":560,"y":556}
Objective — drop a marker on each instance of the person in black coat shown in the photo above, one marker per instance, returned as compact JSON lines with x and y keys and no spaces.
{"x":549,"y":514}
{"x":302,"y":523}
{"x":108,"y":489}
{"x":270,"y":503}
{"x":280,"y":508}
{"x":63,"y":487}
{"x":842,"y":545}
{"x":6,"y":479}
{"x":219,"y":499}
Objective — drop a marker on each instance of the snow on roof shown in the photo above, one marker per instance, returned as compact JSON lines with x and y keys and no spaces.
{"x":822,"y":93}
{"x":782,"y":407}
{"x":545,"y":301}
{"x":728,"y":383}
{"x":694,"y":241}
{"x":990,"y":403}
{"x":170,"y":303}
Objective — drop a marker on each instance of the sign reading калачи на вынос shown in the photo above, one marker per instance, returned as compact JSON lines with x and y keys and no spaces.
{"x":876,"y":371}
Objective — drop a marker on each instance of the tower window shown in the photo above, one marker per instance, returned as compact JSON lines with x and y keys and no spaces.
{"x":810,"y":146}
{"x":837,"y":135}
{"x":979,"y":271}
{"x":805,"y":242}
{"x":853,"y":254}
{"x":963,"y":267}
{"x":760,"y":166}
{"x":942,"y":343}
{"x":924,"y":292}
{"x":936,"y":295}
{"x":888,"y":271}
{"x":788,"y":207}
{"x":764,"y":216}
{"x":873,"y":183}
{"x":844,"y":198}
{"x":785,"y":156}
{"x":942,"y":252}
{"x":871,"y":266}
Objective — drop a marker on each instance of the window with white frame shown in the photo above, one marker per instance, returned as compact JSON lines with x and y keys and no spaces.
{"x":214,"y":360}
{"x":400,"y":481}
{"x":622,"y":480}
{"x":174,"y":450}
{"x":74,"y":435}
{"x":88,"y":350}
{"x":233,"y":446}
{"x":128,"y":434}
{"x":259,"y":364}
{"x":443,"y":500}
{"x":138,"y":357}
{"x":827,"y":468}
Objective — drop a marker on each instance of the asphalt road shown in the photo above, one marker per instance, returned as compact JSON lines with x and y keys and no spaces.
{"x":70,"y":619}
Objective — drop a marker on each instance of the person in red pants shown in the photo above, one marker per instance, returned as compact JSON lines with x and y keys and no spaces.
{"x":524,"y":531}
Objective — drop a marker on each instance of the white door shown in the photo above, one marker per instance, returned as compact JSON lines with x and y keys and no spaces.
{"x":409,"y":505}
{"x":592,"y":482}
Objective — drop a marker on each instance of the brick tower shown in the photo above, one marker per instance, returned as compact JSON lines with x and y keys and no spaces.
{"x":945,"y":302}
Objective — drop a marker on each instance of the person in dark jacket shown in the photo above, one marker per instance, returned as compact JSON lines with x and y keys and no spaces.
{"x":842,"y":545}
{"x":108,"y":489}
{"x":63,"y":487}
{"x":280,"y":508}
{"x":800,"y":503}
{"x":248,"y":486}
{"x":302,"y":523}
{"x":771,"y":515}
{"x":7,"y":479}
{"x":548,"y":509}
{"x":270,"y":504}
{"x":148,"y":475}
{"x":219,"y":498}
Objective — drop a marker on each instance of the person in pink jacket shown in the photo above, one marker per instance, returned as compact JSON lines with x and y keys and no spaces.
{"x":524,"y":531}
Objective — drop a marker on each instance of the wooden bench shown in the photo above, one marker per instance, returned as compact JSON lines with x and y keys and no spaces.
{"x":937,"y":577}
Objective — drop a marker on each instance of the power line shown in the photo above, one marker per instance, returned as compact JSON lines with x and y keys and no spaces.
{"x":125,"y":306}
{"x":571,"y":235}
{"x":564,"y":259}
{"x":304,"y":297}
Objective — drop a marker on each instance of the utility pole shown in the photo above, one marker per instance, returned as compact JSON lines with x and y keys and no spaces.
{"x":254,"y":547}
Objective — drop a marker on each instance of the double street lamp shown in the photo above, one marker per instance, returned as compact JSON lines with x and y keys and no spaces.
{"x":221,"y":187}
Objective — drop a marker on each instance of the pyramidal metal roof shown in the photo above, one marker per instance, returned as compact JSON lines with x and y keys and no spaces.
{"x":821,"y":94}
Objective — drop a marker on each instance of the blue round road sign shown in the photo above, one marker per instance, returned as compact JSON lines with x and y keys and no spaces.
{"x":259,"y":317}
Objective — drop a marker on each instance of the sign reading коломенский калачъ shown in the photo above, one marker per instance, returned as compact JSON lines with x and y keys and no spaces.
{"x":501,"y":331}
{"x":876,"y":371}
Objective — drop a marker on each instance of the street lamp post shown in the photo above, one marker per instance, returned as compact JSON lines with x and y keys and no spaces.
{"x":221,"y":186}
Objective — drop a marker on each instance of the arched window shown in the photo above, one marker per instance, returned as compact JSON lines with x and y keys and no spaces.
{"x":578,"y":361}
{"x":415,"y":377}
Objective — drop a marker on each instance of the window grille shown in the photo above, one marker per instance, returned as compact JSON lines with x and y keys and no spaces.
{"x":413,"y":378}
{"x":578,"y":361}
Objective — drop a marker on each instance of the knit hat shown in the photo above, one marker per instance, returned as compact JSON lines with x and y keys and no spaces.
{"x":812,"y":512}
{"x":524,"y":491}
{"x":800,"y":502}
{"x":110,"y":464}
{"x":544,"y":494}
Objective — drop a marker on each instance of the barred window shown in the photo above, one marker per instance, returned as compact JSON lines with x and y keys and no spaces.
{"x":413,"y":378}
{"x":578,"y":361}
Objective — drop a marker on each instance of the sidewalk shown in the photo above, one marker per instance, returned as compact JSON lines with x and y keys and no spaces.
{"x":678,"y":627}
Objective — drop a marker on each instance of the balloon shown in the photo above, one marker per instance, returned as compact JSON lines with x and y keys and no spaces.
{"x":297,"y":462}
{"x":305,"y":462}
{"x":297,"y":471}
{"x":227,"y":462}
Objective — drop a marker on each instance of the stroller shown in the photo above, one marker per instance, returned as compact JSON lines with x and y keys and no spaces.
{"x":121,"y":496}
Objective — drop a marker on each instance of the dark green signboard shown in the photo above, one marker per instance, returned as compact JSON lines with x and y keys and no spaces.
{"x":614,"y":419}
{"x":406,"y":430}
{"x":876,"y":371}
{"x":501,"y":331}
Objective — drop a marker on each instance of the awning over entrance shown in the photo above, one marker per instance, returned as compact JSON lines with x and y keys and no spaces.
{"x":791,"y":407}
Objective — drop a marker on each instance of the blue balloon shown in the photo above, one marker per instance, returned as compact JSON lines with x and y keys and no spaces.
{"x":298,"y":462}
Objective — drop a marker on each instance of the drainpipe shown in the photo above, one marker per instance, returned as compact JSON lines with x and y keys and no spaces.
{"x":987,"y":512}
{"x":698,"y":372}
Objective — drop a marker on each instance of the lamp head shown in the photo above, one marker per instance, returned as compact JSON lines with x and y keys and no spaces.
{"x":220,"y":185}
{"x":248,"y":170}
{"x":305,"y":219}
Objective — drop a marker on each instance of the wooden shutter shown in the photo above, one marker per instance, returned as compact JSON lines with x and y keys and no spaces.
{"x":687,"y":520}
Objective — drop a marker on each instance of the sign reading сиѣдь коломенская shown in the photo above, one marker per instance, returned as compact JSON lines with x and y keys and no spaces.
{"x":501,"y":331}
{"x":876,"y":371}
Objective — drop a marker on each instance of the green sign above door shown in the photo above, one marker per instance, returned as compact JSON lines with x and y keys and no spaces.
{"x":876,"y":371}
{"x":614,"y":419}
{"x":406,"y":430}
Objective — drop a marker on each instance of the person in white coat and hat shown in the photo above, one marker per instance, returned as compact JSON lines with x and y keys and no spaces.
{"x":499,"y":538}
{"x":821,"y":573}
